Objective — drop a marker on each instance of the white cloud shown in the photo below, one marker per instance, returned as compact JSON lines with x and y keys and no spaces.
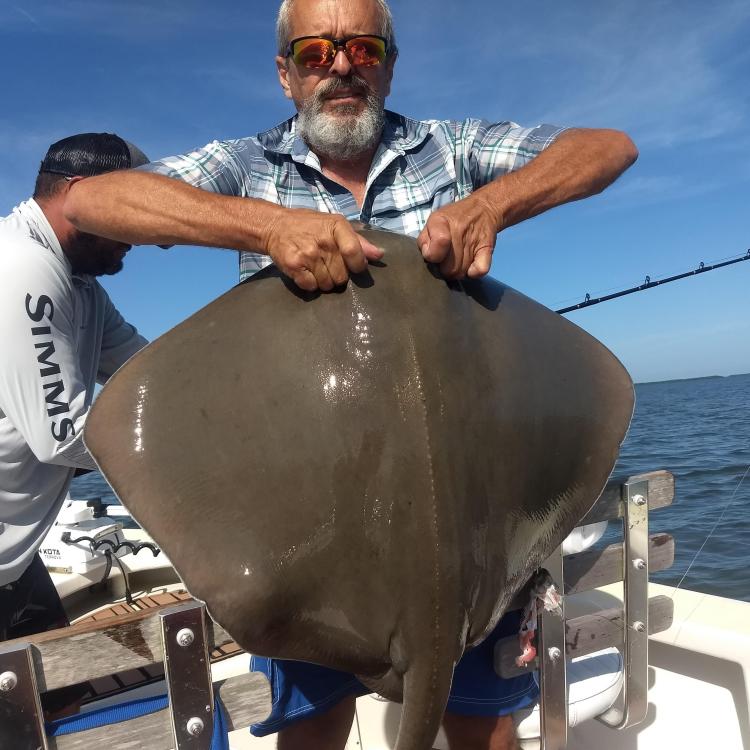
{"x":662,"y":70}
{"x":141,"y":18}
{"x":668,"y":71}
{"x":23,"y":12}
{"x":19,"y":140}
{"x":635,"y":190}
{"x":242,"y":82}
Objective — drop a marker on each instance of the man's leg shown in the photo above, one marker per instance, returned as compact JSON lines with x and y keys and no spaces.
{"x":481,"y":704}
{"x":32,"y":605}
{"x":312,"y":706}
{"x":479,"y":732}
{"x":326,"y":731}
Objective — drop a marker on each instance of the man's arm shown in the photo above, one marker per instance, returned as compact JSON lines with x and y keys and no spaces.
{"x":42,"y":388}
{"x":315,"y":250}
{"x":581,"y":162}
{"x":120,"y":341}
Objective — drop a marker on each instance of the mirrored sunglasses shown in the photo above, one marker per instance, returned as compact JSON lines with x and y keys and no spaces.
{"x":320,"y":52}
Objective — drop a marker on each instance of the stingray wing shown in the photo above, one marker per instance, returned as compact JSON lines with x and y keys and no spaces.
{"x":352,"y":478}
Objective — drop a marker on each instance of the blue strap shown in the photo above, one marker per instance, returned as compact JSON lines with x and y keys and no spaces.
{"x":101,"y":717}
{"x":220,"y":737}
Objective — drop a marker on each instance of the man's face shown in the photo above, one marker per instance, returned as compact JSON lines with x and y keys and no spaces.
{"x":94,"y":255}
{"x":335,"y":101}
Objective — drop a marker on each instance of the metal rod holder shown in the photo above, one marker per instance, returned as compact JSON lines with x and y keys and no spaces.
{"x":553,"y":709}
{"x":188,"y":674}
{"x":635,"y":616}
{"x":21,"y":718}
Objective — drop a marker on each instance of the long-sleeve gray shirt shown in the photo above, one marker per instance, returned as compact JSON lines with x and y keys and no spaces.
{"x":59,"y":335}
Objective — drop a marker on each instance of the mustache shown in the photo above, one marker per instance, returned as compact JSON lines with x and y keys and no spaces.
{"x":352,"y":82}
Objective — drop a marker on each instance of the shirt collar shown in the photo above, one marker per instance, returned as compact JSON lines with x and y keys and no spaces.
{"x":42,"y":232}
{"x":402,"y":134}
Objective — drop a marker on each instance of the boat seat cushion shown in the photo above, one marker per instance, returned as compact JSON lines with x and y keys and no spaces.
{"x":594,"y":682}
{"x":583,"y":537}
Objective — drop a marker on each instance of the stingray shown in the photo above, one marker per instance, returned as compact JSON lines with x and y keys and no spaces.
{"x":364,"y":479}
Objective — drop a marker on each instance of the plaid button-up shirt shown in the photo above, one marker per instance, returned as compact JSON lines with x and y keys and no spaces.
{"x":418,"y":167}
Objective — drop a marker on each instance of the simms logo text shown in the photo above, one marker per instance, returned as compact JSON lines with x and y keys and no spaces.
{"x":49,"y":370}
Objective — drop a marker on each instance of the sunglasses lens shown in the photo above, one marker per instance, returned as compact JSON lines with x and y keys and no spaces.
{"x":366,"y":50}
{"x":313,"y":53}
{"x":316,"y":52}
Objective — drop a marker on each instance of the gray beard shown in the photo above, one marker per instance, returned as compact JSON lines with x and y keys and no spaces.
{"x":348,"y":134}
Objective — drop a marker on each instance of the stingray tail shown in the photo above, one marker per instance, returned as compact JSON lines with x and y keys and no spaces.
{"x":426,"y":688}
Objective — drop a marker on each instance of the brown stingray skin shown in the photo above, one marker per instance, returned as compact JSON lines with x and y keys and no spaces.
{"x":364,"y":479}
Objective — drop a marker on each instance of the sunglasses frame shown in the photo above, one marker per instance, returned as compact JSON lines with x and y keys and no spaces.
{"x":338,"y":45}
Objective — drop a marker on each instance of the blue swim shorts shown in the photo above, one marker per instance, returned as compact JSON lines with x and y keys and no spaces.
{"x":300,"y":690}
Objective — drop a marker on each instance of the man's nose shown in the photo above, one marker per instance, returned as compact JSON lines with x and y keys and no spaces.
{"x":341,"y":65}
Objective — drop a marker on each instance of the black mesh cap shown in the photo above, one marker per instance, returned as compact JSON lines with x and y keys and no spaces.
{"x":89,"y":154}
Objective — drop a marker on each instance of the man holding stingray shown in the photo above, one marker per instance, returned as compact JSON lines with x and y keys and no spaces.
{"x":287,"y":195}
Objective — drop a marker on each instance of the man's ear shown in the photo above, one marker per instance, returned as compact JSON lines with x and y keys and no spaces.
{"x":69,"y":182}
{"x":283,"y":71}
{"x":389,"y":63}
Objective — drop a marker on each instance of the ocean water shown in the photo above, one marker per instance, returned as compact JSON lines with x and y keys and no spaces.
{"x":700,"y":431}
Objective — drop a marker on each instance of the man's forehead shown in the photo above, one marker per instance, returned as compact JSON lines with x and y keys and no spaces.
{"x":313,"y":17}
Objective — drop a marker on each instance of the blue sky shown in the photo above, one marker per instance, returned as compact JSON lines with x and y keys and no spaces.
{"x":673,"y":74}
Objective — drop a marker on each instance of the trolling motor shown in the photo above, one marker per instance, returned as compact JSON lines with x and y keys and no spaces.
{"x":85,"y":518}
{"x":84,"y":538}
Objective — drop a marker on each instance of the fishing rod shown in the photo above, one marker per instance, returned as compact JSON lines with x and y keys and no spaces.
{"x":648,"y":284}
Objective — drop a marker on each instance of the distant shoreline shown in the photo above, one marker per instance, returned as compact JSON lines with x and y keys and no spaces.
{"x":685,"y":380}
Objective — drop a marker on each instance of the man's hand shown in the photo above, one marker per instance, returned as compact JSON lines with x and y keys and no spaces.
{"x":461,"y":237}
{"x":581,"y":162}
{"x":317,"y":250}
